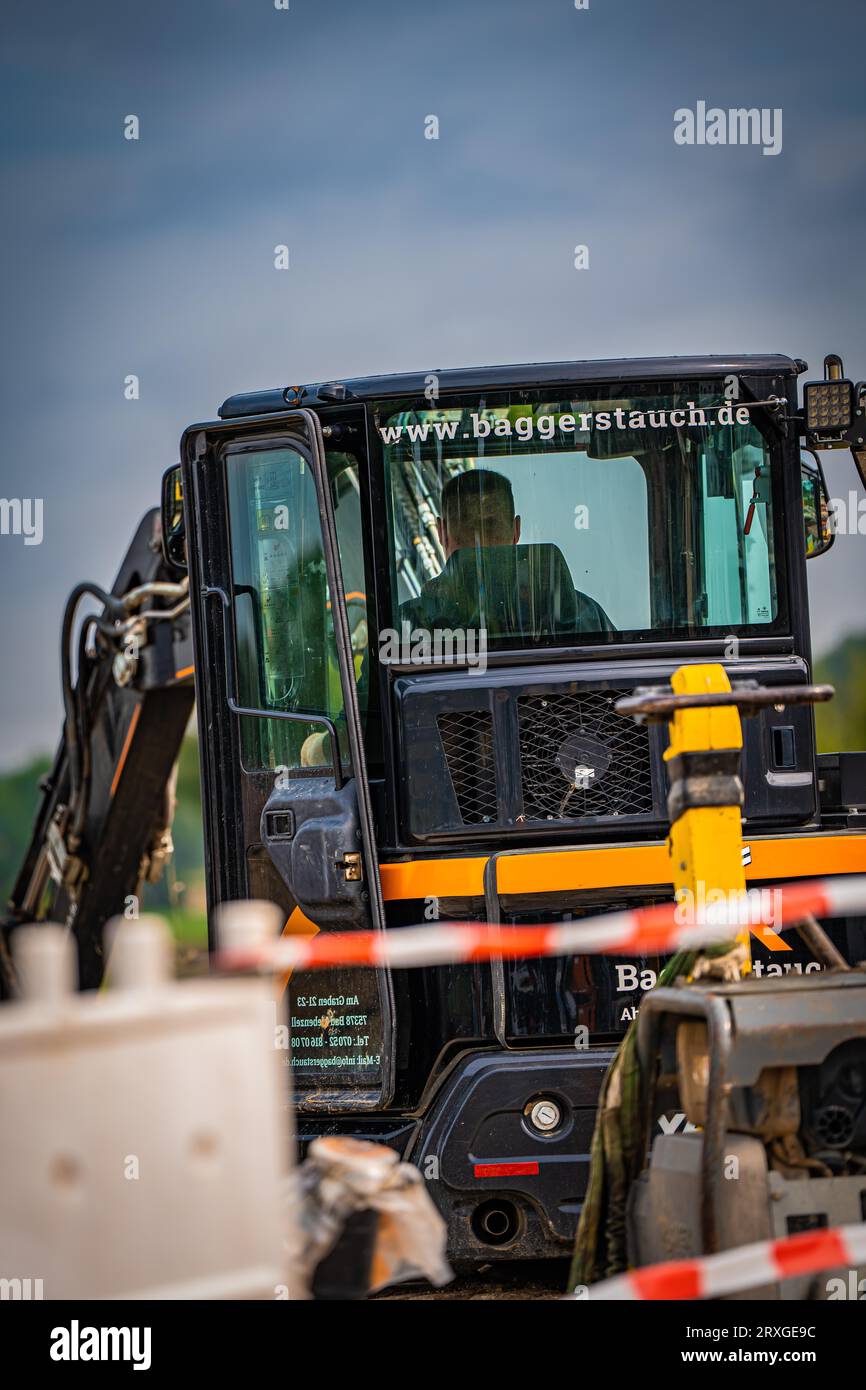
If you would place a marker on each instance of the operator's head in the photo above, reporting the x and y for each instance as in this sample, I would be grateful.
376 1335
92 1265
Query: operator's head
477 509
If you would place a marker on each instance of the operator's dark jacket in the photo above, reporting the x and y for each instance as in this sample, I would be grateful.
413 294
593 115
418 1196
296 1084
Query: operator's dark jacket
506 591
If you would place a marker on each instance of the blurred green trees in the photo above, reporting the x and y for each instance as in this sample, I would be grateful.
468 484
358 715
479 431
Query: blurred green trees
841 724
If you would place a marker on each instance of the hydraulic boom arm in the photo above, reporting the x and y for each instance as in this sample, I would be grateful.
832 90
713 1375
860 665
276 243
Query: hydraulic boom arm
103 826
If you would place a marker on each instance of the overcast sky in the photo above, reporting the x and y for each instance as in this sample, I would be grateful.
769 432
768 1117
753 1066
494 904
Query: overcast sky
306 127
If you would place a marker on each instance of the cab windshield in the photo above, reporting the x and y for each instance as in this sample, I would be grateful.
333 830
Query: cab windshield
544 521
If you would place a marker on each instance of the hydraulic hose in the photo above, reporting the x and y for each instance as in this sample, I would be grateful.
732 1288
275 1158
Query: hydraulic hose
77 741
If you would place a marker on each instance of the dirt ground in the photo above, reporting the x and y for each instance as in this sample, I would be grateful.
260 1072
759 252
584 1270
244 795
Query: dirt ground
502 1279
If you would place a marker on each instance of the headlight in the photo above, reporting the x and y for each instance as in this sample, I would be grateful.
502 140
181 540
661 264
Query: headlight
829 406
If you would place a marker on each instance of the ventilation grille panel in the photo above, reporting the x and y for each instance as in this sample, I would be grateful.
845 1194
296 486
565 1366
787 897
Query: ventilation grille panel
467 738
581 760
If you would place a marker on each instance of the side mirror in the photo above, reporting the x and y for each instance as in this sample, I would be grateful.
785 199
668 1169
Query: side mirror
173 523
817 522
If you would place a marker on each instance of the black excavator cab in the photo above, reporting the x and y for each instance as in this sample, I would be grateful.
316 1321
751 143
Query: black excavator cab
406 715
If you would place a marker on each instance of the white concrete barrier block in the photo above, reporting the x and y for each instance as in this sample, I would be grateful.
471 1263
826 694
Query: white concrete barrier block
145 1133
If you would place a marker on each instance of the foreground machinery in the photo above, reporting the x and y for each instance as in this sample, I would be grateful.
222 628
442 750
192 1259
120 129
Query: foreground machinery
734 1110
406 681
769 1077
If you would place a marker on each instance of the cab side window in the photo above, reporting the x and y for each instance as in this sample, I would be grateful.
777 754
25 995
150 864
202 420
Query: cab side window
286 653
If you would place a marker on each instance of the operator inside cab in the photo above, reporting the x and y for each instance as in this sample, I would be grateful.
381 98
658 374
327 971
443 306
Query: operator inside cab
491 582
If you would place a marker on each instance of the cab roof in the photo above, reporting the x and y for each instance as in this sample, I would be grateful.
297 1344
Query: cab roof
354 389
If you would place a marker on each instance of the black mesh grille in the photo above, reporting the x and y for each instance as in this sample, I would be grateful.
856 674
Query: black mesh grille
580 759
467 738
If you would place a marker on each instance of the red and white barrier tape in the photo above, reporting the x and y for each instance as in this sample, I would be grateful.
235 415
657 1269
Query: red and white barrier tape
656 930
732 1271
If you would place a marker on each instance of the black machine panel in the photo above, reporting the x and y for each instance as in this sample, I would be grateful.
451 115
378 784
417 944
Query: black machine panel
535 751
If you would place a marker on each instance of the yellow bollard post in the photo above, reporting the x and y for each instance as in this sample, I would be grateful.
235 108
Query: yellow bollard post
706 795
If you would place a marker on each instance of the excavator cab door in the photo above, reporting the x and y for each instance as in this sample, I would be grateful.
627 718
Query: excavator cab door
270 531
